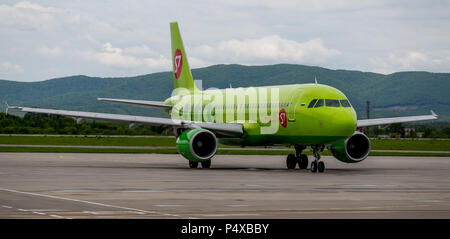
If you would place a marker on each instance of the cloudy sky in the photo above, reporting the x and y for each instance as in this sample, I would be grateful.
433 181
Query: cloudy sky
41 40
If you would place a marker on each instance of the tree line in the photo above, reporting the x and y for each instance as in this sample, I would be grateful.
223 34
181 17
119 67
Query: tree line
33 123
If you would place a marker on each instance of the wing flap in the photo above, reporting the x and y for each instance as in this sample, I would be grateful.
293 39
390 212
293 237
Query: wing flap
229 130
157 104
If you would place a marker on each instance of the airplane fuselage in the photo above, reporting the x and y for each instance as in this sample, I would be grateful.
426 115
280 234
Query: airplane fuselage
328 119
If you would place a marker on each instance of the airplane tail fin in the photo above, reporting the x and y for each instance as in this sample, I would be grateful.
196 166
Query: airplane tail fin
182 77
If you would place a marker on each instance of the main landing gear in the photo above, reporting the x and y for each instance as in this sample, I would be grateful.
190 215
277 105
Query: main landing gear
317 165
205 164
302 160
299 158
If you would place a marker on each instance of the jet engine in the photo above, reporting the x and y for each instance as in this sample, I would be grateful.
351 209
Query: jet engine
197 145
354 149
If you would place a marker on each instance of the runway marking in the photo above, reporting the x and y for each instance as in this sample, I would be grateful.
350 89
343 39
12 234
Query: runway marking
43 210
89 202
233 214
90 212
40 213
236 205
140 213
168 205
429 201
35 211
108 191
367 185
112 212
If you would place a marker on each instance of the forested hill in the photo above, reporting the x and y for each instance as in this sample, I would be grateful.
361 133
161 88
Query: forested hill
402 93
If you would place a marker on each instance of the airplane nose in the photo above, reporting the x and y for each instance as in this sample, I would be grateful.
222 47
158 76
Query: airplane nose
347 123
350 122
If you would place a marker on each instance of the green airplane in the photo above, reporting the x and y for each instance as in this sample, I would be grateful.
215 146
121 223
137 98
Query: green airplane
299 115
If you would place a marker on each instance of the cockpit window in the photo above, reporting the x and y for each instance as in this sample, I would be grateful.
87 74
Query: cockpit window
332 103
319 103
312 103
345 103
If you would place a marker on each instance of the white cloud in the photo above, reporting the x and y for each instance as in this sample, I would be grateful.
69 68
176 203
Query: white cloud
141 50
411 61
32 16
305 5
49 52
7 67
268 49
117 57
370 35
35 7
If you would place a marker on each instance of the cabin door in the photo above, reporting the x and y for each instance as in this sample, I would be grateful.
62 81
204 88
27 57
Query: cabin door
294 103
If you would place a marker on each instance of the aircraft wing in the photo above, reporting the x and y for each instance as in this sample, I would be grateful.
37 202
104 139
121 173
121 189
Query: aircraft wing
158 104
385 121
230 130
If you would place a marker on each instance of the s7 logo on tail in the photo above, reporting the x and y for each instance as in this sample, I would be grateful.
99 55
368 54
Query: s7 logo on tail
177 63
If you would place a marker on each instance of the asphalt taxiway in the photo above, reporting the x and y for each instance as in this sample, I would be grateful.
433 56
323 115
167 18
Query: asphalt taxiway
65 185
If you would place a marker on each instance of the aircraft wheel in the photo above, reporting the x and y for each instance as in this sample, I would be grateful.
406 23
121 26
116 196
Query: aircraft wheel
291 161
314 166
321 167
303 161
206 164
193 164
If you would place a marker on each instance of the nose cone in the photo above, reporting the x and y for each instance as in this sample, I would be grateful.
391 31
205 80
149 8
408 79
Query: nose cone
344 122
349 122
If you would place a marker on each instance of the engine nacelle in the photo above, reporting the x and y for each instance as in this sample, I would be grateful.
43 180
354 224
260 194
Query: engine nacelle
353 150
197 144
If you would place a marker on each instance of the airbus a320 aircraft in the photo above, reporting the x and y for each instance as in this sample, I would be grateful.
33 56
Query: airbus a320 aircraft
297 115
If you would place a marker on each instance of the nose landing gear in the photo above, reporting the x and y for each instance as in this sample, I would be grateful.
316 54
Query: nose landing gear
317 165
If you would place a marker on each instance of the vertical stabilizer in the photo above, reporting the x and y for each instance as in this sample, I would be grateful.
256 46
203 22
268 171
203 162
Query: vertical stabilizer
182 77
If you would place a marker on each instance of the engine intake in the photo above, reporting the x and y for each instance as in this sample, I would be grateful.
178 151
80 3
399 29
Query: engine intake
197 144
353 150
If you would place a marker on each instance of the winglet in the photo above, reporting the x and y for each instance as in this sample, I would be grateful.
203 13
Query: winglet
433 114
7 107
315 79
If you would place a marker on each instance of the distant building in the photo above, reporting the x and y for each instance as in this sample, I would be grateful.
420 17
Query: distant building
411 132
408 131
383 136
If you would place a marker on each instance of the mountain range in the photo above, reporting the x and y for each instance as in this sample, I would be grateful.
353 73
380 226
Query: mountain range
397 94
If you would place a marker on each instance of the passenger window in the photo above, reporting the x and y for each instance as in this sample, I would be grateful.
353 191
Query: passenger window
312 103
345 103
319 103
332 103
